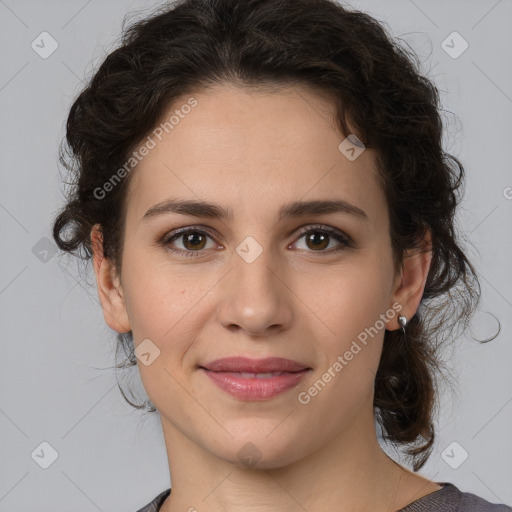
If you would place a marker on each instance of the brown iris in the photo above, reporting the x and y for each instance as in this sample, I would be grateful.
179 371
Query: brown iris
194 240
316 237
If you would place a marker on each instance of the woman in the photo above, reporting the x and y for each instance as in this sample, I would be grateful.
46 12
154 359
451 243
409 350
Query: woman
262 188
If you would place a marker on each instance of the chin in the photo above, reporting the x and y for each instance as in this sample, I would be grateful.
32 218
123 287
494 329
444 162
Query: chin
260 451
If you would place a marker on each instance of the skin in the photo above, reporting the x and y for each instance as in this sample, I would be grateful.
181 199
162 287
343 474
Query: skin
253 152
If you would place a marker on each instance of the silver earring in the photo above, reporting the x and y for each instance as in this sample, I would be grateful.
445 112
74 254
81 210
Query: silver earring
402 320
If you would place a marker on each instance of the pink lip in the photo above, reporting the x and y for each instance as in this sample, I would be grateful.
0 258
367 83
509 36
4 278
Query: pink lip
245 364
227 374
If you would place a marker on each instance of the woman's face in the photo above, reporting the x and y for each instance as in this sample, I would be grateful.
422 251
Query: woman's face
282 275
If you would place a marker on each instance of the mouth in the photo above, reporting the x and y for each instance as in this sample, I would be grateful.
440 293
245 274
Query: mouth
255 366
255 379
249 375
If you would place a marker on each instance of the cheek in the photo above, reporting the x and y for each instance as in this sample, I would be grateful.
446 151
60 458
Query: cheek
168 306
352 303
158 295
349 298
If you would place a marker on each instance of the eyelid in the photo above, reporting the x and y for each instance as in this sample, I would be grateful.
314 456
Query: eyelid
176 233
323 227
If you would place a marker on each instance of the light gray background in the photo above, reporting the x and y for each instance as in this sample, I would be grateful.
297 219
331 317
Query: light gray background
54 335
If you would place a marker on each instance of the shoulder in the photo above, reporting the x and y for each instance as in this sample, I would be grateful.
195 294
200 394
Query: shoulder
471 502
157 502
451 499
448 499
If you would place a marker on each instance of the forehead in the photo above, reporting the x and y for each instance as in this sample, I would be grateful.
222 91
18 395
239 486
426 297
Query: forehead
252 151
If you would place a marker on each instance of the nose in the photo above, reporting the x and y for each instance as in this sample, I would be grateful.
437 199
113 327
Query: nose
255 297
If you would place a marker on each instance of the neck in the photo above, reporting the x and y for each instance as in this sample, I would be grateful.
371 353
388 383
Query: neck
350 472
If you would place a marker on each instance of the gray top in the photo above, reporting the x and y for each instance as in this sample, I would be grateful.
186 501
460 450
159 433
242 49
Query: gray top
447 499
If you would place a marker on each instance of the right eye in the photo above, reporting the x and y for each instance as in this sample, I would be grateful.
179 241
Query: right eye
193 241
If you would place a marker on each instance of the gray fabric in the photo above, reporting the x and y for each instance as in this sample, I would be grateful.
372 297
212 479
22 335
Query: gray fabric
451 499
155 505
447 499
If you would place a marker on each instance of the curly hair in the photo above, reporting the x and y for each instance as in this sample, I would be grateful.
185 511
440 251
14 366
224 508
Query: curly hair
379 95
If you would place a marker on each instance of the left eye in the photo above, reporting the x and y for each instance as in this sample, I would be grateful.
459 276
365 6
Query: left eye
318 239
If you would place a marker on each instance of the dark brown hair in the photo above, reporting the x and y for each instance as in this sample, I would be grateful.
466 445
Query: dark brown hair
380 96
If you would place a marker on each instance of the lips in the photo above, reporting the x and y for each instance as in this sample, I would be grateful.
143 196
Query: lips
255 379
254 366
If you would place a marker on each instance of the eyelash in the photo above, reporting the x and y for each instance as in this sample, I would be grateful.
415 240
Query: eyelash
338 235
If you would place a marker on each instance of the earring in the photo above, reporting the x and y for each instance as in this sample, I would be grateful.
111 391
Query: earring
402 320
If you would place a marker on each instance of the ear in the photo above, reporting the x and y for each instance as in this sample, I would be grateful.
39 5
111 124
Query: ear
410 282
109 288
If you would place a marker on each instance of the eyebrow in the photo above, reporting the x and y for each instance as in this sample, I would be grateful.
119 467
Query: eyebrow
295 209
